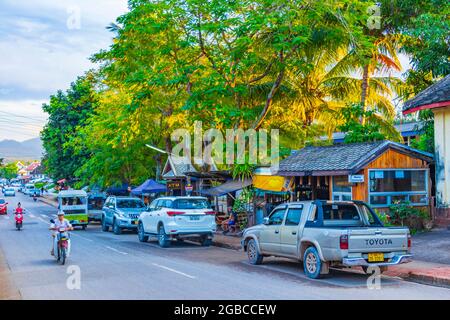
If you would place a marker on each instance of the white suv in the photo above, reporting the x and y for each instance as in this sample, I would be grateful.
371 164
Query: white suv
177 218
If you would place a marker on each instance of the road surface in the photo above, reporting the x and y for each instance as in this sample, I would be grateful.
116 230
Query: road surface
120 267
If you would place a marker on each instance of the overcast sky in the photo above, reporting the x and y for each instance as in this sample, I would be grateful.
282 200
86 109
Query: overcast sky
45 45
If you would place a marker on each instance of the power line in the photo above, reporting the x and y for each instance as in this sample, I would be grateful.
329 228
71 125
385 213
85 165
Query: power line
19 116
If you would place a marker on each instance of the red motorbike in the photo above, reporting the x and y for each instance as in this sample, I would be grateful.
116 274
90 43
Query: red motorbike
18 216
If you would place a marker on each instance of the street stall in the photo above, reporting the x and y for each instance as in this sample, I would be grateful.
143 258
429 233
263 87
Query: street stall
270 191
149 190
224 196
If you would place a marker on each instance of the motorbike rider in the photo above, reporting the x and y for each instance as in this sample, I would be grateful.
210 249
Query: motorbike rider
61 222
19 208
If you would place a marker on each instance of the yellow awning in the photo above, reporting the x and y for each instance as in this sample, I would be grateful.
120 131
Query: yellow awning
272 183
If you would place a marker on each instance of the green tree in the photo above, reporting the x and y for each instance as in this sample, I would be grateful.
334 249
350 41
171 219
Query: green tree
68 111
370 130
8 171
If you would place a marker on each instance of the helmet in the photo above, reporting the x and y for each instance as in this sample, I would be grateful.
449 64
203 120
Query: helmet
60 213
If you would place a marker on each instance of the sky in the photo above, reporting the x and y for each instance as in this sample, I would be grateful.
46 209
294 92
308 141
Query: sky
44 46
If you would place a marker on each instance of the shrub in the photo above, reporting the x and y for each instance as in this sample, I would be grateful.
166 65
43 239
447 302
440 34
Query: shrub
403 213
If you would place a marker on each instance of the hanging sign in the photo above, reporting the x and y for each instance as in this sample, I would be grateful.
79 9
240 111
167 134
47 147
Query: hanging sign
356 178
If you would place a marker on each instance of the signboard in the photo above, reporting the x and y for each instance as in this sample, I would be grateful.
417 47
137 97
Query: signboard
189 188
356 178
174 185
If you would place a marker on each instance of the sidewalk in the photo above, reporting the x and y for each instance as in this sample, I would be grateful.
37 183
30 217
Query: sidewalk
50 200
8 290
423 272
229 242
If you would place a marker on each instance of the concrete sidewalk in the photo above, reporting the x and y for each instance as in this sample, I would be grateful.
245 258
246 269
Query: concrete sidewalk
8 290
50 200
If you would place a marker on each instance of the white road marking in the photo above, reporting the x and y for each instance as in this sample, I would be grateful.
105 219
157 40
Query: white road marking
115 250
175 271
87 239
32 215
44 216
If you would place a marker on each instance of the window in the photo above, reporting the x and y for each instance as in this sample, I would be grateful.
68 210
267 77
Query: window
342 190
387 187
293 216
166 204
95 203
276 218
342 215
191 204
130 203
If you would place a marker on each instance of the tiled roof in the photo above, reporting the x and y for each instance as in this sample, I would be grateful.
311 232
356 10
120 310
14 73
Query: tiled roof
436 93
342 159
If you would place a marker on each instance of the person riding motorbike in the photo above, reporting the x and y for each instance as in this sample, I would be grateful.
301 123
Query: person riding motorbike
63 223
18 216
19 208
35 197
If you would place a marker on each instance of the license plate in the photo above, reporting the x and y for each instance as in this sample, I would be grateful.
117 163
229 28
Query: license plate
135 222
376 257
194 218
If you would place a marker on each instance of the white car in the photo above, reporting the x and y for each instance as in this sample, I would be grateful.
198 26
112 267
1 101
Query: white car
171 218
9 192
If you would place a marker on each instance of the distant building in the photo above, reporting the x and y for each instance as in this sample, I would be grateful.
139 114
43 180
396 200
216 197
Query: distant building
409 131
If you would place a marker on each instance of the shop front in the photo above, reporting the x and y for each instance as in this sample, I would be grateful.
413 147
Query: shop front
380 173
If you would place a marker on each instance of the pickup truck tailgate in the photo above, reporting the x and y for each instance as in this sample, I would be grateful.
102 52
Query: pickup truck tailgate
377 239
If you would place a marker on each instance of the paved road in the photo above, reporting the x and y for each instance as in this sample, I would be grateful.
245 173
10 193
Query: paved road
120 267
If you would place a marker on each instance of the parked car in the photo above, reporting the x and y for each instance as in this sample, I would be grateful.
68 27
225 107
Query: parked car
324 234
121 213
3 206
32 192
178 218
27 188
9 192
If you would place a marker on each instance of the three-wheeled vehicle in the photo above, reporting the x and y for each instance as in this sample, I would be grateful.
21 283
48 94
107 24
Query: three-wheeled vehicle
96 200
75 206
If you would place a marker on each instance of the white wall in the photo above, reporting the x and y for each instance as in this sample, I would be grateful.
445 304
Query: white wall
442 154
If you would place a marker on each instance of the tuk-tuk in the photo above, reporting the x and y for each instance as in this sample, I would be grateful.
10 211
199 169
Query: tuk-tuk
75 206
96 201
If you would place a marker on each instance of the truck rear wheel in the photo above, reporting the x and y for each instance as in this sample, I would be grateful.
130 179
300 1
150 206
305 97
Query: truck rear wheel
312 264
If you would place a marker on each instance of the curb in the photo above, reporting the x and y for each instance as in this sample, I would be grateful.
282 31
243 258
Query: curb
226 245
49 202
427 279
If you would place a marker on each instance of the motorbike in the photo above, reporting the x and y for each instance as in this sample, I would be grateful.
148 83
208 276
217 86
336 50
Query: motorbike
62 249
34 198
18 216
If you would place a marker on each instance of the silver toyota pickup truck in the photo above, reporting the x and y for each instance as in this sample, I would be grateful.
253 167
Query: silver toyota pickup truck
326 234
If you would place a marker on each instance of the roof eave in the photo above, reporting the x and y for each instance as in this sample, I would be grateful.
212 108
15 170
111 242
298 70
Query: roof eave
427 106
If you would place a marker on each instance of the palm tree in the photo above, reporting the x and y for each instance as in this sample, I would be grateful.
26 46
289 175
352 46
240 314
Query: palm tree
315 95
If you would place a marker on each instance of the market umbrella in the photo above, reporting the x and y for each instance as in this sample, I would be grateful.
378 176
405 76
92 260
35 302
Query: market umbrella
149 186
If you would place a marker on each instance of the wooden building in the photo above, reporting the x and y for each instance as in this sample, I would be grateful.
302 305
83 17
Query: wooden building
380 173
